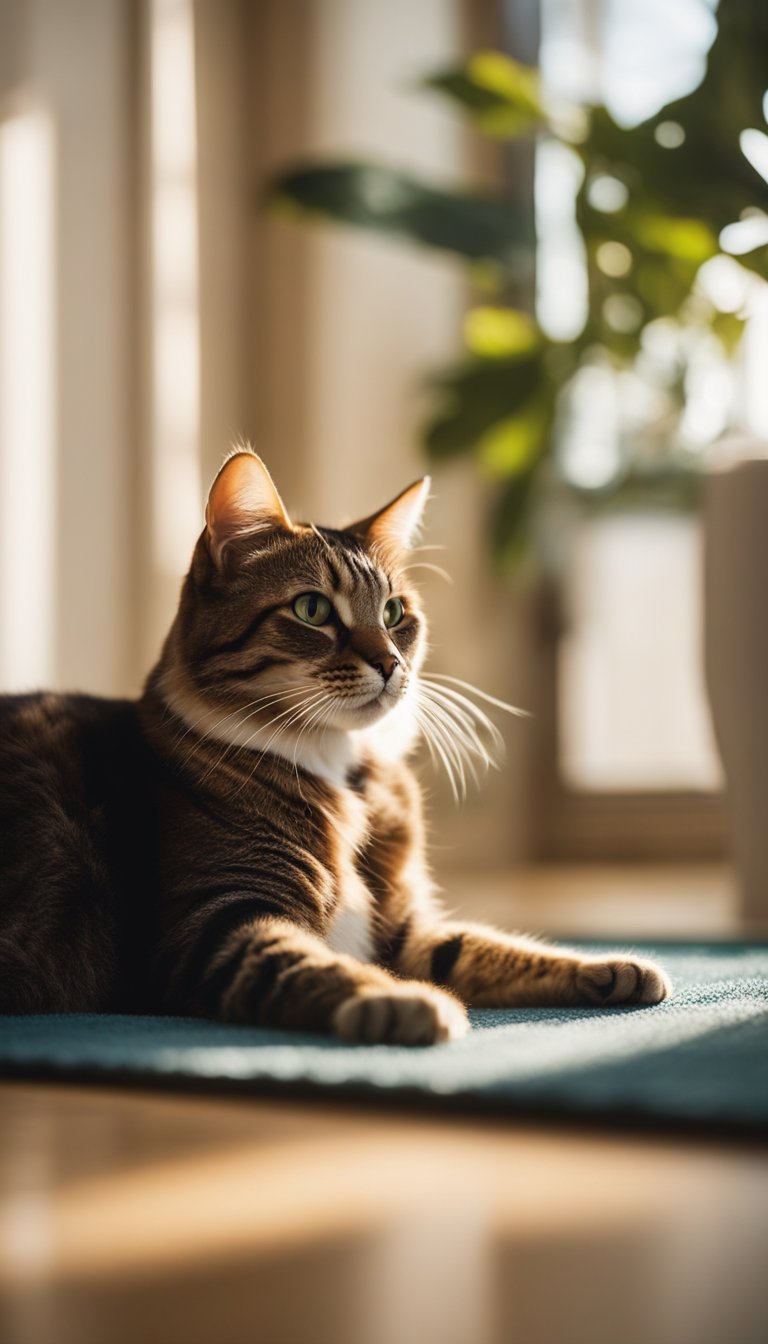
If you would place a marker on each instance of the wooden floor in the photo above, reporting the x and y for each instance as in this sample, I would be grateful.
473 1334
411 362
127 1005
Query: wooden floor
171 1219
606 900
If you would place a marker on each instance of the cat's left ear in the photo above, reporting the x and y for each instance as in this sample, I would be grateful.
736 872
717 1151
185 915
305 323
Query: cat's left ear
243 503
393 529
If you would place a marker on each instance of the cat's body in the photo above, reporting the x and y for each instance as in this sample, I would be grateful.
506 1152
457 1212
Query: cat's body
76 854
246 841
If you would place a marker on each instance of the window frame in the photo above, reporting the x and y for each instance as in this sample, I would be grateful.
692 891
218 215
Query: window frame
606 825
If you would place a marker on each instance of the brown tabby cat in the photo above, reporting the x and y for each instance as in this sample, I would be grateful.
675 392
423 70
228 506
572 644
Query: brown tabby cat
246 841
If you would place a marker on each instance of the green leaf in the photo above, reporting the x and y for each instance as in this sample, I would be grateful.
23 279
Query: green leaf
500 333
702 173
379 199
475 397
501 96
510 520
512 446
729 330
756 260
686 239
663 255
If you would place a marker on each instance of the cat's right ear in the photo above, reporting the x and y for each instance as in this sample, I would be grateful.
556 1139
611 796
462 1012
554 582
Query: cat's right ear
243 503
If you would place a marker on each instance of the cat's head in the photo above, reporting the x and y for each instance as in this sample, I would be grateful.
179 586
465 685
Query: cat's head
293 626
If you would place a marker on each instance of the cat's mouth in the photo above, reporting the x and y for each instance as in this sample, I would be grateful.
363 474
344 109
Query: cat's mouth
361 710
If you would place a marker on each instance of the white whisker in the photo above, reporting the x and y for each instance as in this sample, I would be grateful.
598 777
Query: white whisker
459 750
241 746
253 706
430 732
457 730
294 715
466 732
491 699
436 569
472 718
313 717
463 737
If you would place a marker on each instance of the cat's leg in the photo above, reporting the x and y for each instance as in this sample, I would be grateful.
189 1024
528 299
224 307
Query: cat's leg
273 973
483 967
488 969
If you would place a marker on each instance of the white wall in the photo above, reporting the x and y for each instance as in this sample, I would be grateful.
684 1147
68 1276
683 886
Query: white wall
71 61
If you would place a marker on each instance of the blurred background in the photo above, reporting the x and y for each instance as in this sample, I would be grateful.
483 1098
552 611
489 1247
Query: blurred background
520 245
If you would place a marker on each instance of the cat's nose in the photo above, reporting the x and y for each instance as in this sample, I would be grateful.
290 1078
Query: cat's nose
385 663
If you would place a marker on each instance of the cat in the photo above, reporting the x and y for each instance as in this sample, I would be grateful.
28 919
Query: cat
245 842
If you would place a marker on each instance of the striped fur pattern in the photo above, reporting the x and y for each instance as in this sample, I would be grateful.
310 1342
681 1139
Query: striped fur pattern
246 842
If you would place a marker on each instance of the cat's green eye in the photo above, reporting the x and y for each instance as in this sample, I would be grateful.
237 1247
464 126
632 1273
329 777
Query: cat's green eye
394 612
312 608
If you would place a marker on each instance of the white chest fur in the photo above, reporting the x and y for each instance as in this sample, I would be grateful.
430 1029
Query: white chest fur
351 930
329 757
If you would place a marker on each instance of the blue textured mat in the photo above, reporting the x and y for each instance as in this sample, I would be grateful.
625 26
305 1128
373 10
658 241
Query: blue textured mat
699 1059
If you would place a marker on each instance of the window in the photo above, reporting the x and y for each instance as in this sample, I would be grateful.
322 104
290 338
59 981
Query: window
632 712
631 768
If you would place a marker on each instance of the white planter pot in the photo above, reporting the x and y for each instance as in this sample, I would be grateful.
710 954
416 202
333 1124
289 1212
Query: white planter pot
736 660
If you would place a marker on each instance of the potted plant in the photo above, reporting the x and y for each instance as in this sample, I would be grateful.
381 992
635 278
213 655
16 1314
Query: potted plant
673 216
658 203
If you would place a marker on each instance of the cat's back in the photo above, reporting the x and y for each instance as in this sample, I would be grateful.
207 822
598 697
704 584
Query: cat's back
45 717
56 749
74 834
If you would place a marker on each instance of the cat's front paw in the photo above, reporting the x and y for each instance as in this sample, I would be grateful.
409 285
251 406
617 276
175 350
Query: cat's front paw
411 1014
622 980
